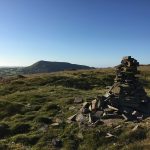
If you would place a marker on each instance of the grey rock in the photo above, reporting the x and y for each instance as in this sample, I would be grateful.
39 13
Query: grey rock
78 100
98 114
90 118
113 108
98 122
125 117
140 117
109 135
117 127
107 94
90 107
73 117
84 110
80 118
110 116
135 113
71 108
55 124
86 105
135 128
94 102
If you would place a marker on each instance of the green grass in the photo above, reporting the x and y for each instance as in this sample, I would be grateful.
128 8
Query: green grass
28 107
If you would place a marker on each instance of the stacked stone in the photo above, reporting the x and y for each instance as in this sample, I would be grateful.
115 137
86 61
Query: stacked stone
127 93
125 99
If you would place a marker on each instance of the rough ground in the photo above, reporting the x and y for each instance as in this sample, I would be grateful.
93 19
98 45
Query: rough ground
34 110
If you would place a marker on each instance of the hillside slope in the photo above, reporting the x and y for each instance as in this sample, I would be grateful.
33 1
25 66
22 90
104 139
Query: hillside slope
34 111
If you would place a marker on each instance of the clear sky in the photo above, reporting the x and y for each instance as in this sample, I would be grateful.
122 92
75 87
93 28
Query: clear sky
90 32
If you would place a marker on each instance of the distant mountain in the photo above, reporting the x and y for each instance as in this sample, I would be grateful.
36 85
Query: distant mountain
48 66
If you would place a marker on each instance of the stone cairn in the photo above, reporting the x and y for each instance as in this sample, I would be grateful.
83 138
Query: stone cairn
126 99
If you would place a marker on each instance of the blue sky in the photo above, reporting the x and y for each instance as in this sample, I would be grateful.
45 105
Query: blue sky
91 32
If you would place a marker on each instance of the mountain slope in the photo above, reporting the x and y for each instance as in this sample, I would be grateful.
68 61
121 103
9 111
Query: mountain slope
47 66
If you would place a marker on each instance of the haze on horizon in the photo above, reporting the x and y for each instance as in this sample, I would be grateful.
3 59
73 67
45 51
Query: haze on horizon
97 33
